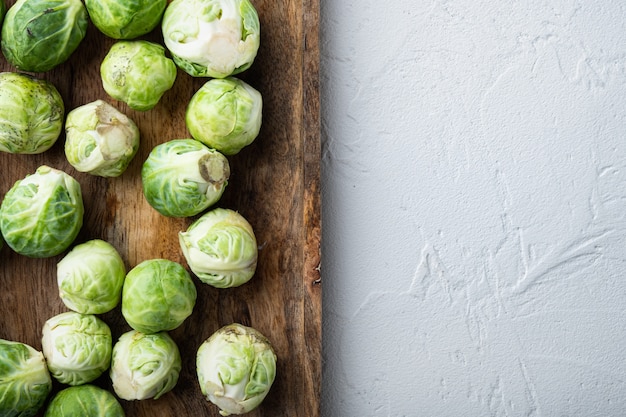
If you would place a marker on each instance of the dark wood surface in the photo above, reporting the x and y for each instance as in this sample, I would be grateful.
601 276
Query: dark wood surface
274 183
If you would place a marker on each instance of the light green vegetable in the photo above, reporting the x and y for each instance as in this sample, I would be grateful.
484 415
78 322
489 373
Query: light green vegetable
220 248
236 367
90 277
77 347
42 213
144 365
183 177
84 401
225 114
31 114
125 19
100 140
212 38
158 295
24 379
38 35
137 73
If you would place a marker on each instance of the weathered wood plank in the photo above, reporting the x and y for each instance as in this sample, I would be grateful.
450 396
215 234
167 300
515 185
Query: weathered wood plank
274 184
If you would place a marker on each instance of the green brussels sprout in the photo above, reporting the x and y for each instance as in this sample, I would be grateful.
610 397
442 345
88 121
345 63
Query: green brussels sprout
236 367
144 365
125 19
220 248
84 401
90 277
77 347
212 38
182 177
42 213
38 35
158 295
31 114
100 140
24 379
225 114
137 73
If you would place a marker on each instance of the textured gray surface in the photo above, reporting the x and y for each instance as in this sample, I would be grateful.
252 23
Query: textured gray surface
474 196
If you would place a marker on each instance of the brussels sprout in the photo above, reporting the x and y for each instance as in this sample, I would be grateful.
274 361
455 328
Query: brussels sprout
38 35
182 177
144 365
84 401
125 19
158 295
42 213
225 114
137 73
90 277
100 140
31 114
212 38
236 367
220 248
24 379
77 347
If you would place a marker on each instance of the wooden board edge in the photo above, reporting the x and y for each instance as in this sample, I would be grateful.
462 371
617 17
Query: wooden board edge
311 131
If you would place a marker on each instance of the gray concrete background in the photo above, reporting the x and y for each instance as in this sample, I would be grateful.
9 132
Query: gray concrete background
474 195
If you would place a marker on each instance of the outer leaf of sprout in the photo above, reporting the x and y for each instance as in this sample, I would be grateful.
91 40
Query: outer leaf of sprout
125 19
158 295
183 177
100 140
236 367
220 248
42 214
225 114
144 365
77 347
138 73
84 400
38 35
24 379
212 38
31 114
90 277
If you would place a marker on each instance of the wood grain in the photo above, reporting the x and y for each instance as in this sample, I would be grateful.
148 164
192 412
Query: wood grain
274 183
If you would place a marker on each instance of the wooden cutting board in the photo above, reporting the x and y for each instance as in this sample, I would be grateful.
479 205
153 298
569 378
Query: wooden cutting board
274 183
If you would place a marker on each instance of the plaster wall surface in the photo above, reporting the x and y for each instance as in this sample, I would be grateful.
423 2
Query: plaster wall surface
474 208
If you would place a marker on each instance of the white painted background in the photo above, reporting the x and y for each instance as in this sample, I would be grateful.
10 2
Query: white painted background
474 208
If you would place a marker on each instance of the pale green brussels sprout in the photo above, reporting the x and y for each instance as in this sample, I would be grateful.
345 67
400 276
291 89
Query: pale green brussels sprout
183 177
125 19
24 379
158 295
84 401
236 367
137 73
77 347
31 114
144 365
220 248
90 277
42 213
100 140
38 35
225 114
212 38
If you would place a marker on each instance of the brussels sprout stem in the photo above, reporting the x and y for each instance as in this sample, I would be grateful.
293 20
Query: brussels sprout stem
214 170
